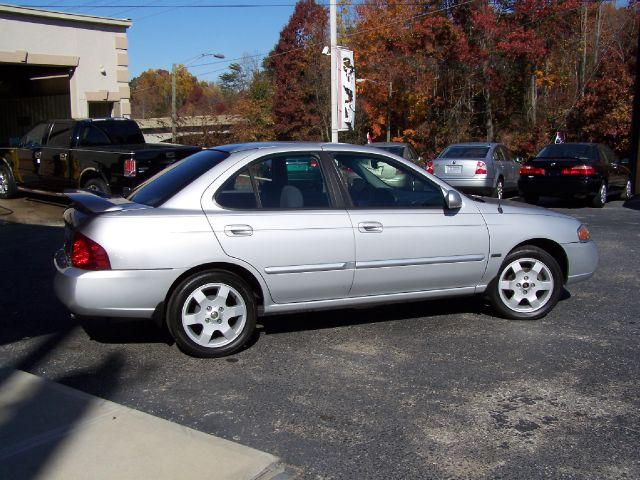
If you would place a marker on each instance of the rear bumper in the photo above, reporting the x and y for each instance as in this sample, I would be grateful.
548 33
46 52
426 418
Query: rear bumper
559 186
583 260
111 293
479 185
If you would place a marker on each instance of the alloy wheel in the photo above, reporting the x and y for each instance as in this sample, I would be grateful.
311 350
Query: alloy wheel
628 189
526 285
214 315
4 181
603 193
499 190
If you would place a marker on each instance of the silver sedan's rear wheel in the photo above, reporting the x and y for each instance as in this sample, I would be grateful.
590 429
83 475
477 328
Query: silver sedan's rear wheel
214 315
528 285
211 314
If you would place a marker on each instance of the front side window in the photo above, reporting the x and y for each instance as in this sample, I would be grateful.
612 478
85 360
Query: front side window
34 137
60 135
375 182
289 181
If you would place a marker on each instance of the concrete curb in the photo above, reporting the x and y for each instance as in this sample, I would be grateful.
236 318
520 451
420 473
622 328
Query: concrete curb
51 431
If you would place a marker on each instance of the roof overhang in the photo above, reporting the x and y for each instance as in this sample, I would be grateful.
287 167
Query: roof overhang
71 17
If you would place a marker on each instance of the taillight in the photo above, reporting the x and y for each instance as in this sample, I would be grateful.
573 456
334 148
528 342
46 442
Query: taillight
430 167
130 168
531 170
88 255
314 163
579 170
481 168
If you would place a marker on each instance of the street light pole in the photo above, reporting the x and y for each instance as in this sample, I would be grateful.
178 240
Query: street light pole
174 71
333 26
174 74
389 111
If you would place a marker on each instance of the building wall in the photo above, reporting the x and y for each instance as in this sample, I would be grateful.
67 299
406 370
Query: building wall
96 53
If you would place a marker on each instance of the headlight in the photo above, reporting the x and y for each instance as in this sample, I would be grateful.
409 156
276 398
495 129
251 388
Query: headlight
583 234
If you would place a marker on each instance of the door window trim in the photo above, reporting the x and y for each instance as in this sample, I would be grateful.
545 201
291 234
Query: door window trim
348 202
334 201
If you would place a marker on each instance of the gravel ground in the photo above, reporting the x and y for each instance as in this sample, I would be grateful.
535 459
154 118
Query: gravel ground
431 389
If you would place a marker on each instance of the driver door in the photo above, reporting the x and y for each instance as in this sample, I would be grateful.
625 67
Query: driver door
30 156
405 238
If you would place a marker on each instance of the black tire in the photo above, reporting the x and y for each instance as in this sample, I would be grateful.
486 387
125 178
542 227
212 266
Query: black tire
498 190
97 185
180 297
530 198
600 199
8 187
535 253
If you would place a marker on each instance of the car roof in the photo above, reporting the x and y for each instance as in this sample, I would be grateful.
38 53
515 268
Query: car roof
244 147
474 144
389 144
588 144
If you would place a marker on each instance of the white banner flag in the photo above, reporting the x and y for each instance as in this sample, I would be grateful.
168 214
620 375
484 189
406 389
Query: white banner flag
346 90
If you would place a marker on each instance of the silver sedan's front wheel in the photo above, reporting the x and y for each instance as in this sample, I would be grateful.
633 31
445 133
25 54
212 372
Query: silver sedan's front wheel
212 314
528 285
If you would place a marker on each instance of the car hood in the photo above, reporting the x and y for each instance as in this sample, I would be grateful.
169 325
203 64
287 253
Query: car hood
493 205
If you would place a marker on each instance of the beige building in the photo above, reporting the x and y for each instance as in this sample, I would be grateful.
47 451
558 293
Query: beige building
60 65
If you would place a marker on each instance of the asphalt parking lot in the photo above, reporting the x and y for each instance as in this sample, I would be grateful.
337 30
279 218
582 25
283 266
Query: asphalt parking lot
432 389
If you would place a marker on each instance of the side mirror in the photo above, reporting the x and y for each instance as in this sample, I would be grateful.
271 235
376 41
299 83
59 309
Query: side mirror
624 161
453 200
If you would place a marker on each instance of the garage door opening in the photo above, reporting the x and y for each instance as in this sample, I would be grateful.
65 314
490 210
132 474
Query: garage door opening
30 94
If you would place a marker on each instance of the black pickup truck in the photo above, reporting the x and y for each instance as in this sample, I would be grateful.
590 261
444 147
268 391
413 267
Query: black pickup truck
107 155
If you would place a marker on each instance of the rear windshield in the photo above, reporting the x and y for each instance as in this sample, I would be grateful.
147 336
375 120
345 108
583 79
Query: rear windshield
399 151
160 188
120 132
569 150
465 152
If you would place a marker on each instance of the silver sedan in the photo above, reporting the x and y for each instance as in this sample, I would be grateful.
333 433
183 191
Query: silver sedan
238 231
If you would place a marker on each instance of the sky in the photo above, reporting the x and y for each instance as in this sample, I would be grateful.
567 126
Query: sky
162 36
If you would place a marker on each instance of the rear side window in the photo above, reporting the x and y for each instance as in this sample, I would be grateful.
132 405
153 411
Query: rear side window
121 132
166 184
60 135
92 136
465 152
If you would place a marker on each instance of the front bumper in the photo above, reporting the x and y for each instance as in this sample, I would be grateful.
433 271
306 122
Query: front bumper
111 293
559 186
583 260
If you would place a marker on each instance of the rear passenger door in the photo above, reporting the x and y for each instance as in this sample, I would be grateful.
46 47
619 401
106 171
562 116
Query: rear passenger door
511 169
55 170
279 213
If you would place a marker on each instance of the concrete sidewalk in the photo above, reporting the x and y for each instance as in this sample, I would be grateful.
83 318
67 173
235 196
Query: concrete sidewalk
51 431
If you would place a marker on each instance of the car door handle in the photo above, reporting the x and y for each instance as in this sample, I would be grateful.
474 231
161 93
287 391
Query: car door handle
370 227
238 230
38 155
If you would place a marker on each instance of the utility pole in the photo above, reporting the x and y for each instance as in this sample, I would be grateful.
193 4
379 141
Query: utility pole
635 125
583 44
174 71
333 26
389 110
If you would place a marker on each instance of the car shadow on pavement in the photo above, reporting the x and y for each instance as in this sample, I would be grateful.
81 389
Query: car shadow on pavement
633 203
297 322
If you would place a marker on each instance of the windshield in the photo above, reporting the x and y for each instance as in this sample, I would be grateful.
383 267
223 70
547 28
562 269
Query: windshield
467 151
161 187
121 132
394 150
569 150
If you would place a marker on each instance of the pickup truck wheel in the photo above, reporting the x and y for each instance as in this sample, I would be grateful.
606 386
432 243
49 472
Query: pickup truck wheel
96 185
211 314
528 285
8 188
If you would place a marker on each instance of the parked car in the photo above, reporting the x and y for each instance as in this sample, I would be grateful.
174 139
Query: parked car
588 171
230 233
477 168
106 155
401 149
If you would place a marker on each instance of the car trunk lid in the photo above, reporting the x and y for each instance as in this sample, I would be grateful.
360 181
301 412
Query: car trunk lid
553 166
455 167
